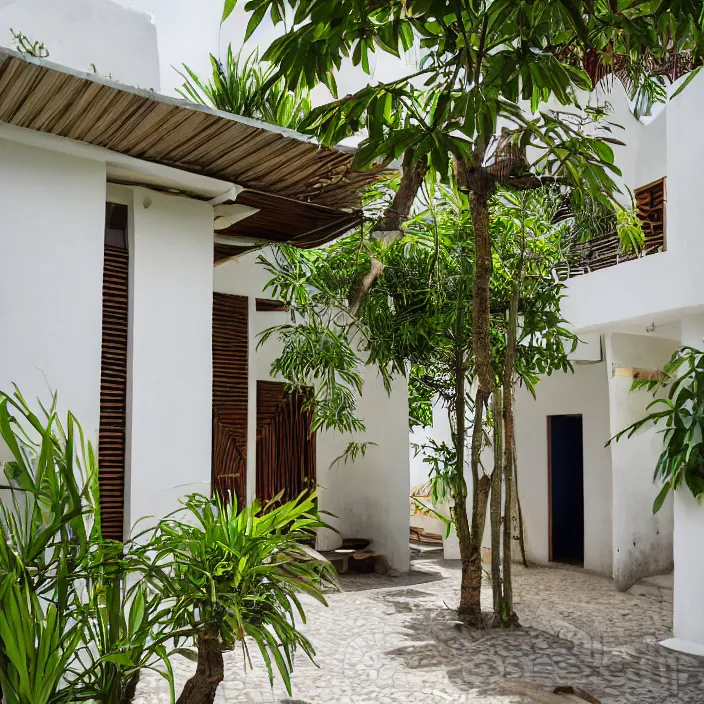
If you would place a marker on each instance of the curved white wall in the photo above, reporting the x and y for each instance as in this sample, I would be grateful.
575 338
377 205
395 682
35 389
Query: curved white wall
121 43
170 356
52 220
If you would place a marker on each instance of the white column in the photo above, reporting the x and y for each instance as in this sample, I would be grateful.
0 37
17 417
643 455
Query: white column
689 557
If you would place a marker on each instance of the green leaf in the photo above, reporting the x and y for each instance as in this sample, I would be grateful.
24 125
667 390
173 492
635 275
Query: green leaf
228 9
660 499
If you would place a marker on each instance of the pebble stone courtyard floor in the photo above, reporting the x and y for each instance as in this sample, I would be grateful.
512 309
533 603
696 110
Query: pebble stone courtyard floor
385 639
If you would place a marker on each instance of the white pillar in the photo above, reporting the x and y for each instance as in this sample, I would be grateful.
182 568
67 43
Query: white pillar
689 557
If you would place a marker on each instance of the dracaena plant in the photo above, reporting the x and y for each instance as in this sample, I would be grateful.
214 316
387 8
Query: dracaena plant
679 414
237 577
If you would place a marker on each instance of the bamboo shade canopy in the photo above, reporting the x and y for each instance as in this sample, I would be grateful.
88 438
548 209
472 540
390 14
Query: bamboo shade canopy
317 189
42 96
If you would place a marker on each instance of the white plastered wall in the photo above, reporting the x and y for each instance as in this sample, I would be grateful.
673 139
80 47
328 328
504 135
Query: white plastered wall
170 351
52 219
662 287
642 542
368 497
88 35
688 624
585 393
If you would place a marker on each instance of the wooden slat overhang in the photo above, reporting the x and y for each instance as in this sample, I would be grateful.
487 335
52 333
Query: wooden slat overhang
310 194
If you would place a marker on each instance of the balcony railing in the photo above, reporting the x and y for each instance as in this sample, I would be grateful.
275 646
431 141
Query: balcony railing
603 251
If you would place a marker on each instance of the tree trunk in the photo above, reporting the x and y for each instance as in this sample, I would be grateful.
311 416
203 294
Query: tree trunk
130 690
507 615
388 227
519 508
480 293
470 538
201 688
495 507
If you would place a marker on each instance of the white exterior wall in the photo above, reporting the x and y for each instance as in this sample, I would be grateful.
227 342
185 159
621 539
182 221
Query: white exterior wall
121 43
642 542
170 355
586 393
439 431
689 556
52 220
369 497
664 287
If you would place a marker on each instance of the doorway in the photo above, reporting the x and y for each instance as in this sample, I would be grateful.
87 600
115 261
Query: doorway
566 489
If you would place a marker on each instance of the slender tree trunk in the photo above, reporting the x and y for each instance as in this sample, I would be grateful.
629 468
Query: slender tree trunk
470 537
507 615
495 508
388 227
201 688
129 692
480 293
519 508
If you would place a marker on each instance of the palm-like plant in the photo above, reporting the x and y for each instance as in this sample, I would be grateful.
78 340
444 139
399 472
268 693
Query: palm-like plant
244 86
238 575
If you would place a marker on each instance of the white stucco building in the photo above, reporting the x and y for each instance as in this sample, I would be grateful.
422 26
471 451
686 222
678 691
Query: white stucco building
633 315
583 502
112 254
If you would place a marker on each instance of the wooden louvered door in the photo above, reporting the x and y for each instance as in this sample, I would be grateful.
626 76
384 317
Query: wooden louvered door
285 445
230 384
113 374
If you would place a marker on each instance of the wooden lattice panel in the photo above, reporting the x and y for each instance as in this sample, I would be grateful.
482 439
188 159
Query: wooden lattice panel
604 251
285 445
113 376
230 386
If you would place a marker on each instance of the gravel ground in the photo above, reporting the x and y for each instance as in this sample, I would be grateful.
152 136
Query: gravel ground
385 640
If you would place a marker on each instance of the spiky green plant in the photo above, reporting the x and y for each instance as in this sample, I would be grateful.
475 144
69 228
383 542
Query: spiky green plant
244 86
80 616
238 576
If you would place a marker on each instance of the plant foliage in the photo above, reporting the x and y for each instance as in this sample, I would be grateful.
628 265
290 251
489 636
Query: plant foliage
681 411
244 86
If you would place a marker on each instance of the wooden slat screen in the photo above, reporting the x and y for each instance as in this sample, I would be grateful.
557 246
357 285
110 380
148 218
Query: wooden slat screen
285 445
230 384
604 251
113 374
269 305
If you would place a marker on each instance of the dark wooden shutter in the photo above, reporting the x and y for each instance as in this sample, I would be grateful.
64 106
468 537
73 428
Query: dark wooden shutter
113 374
230 384
285 445
269 305
650 203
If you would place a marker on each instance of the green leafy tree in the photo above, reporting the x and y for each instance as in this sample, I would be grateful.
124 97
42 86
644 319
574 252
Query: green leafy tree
418 317
485 64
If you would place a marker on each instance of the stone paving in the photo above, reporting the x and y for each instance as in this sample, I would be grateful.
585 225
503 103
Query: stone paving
396 640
